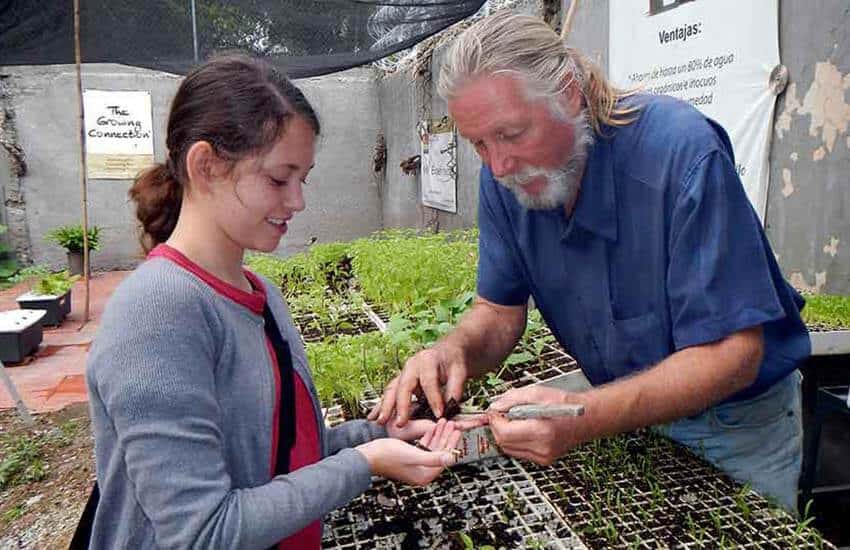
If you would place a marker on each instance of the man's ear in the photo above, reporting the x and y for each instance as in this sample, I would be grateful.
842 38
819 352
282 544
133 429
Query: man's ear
572 97
202 166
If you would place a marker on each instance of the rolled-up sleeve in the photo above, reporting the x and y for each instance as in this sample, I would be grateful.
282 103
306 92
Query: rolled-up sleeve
719 279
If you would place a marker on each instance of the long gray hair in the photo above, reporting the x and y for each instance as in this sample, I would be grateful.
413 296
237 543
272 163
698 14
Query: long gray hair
524 45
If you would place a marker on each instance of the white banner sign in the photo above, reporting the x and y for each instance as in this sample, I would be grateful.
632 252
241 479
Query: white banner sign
438 161
717 55
119 133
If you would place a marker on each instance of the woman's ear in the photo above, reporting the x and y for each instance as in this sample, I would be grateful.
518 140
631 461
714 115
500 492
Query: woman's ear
202 166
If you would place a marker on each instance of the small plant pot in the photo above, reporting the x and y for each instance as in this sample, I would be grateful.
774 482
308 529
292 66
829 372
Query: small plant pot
75 263
20 333
56 307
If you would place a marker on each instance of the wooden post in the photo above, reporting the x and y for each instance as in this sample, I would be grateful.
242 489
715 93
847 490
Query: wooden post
81 124
568 19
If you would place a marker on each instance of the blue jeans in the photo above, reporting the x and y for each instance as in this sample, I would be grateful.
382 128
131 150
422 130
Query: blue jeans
757 441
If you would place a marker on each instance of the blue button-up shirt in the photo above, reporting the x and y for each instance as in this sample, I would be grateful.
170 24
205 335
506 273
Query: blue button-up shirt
663 251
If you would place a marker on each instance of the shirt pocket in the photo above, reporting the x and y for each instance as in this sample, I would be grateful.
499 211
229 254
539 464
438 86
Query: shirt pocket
634 344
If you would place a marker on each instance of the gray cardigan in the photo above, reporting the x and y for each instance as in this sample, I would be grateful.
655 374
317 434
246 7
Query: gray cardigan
182 402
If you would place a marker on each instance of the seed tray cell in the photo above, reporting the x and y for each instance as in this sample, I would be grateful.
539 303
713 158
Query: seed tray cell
493 502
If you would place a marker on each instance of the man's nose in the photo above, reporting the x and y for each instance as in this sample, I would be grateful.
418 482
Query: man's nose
502 163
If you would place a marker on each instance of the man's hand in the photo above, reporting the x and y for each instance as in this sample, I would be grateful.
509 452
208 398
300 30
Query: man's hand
541 440
395 459
428 371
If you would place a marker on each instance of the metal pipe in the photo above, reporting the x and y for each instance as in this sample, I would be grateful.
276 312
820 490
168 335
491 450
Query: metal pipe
194 31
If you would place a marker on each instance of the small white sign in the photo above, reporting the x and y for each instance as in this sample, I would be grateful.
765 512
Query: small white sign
118 133
438 163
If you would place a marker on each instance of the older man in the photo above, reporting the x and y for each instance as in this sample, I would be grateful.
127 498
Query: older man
623 217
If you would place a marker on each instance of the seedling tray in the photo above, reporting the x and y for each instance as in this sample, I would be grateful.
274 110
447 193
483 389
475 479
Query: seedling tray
493 502
643 491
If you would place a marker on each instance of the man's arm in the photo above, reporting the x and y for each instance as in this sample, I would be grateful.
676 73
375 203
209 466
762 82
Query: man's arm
484 336
686 383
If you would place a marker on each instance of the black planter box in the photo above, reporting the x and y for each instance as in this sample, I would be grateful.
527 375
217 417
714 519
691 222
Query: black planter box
20 333
57 307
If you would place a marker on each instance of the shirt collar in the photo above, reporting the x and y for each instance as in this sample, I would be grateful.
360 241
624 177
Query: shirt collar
596 208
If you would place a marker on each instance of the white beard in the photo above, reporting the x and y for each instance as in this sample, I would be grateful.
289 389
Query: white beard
562 184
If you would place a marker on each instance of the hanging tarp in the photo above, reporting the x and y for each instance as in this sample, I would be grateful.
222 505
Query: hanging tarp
306 38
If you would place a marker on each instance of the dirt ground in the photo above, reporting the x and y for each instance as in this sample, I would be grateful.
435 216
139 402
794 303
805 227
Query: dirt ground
46 473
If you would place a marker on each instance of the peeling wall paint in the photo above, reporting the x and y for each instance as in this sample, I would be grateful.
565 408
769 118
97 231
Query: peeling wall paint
787 187
824 103
808 213
799 282
832 247
792 106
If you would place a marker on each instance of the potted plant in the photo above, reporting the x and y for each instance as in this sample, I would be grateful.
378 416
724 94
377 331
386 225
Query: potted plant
70 237
52 293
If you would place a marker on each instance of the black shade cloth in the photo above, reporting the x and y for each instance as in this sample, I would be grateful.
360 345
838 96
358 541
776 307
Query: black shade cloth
305 38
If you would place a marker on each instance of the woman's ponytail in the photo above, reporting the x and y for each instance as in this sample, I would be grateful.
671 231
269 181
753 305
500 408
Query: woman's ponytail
158 196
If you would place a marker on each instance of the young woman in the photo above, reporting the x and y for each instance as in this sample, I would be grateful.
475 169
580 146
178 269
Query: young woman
207 425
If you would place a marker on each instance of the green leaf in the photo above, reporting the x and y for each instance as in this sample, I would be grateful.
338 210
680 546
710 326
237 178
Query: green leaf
519 357
493 380
442 313
70 237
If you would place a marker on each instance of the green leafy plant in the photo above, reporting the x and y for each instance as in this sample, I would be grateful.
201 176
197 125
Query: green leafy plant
70 237
806 520
13 513
827 311
55 284
405 272
346 367
23 463
741 500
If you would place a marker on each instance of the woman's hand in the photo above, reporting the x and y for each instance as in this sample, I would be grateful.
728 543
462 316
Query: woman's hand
394 459
411 430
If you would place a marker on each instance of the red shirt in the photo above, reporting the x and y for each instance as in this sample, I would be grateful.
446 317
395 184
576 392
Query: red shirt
306 450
